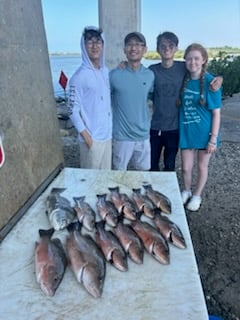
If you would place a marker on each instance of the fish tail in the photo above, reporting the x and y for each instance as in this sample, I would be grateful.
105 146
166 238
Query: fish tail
57 190
121 217
100 224
136 190
46 233
147 186
77 200
139 214
114 189
102 196
74 226
157 211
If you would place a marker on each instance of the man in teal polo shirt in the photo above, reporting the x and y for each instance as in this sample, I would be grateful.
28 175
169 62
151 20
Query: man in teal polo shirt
130 88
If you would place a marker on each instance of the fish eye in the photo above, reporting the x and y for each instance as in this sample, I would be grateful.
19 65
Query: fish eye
55 279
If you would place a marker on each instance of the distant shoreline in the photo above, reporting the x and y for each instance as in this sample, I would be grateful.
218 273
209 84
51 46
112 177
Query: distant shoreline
153 55
64 54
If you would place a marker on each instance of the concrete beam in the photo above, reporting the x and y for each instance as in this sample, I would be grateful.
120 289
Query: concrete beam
117 18
28 116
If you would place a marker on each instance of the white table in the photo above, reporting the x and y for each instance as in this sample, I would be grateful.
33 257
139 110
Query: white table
145 292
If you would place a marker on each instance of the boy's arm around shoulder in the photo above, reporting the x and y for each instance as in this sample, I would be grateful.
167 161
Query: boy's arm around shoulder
216 83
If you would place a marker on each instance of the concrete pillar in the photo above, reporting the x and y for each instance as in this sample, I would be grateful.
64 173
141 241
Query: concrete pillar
28 116
117 18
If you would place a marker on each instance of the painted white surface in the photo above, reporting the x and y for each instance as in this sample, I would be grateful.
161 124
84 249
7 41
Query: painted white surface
145 292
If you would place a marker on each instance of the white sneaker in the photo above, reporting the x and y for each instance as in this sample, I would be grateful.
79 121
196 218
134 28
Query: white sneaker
194 204
186 195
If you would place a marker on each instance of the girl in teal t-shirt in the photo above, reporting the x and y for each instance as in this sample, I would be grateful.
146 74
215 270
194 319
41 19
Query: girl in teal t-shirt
199 122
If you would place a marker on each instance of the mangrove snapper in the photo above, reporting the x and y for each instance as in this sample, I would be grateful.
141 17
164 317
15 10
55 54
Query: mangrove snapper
169 230
106 210
85 213
143 203
153 241
50 262
159 199
111 247
86 259
123 203
130 242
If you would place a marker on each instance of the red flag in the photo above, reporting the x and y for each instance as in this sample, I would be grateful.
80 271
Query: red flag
63 80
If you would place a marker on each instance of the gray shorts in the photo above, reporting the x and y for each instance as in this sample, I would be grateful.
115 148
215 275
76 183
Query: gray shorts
134 155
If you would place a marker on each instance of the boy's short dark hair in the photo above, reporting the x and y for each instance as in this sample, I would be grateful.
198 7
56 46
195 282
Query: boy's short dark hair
167 35
90 32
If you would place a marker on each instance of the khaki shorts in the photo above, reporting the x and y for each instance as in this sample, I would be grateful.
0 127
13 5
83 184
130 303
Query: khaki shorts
99 156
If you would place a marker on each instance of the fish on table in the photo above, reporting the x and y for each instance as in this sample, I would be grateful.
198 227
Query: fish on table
160 200
154 243
106 210
169 230
86 260
85 213
111 247
59 210
123 203
130 241
143 203
50 262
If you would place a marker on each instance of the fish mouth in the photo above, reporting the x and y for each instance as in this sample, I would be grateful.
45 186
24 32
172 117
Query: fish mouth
48 290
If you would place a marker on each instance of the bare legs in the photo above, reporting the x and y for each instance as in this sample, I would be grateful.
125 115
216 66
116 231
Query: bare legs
203 158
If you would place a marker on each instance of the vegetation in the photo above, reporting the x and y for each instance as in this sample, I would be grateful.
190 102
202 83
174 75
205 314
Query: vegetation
229 68
222 61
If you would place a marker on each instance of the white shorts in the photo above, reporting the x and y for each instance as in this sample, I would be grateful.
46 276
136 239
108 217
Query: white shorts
134 155
99 156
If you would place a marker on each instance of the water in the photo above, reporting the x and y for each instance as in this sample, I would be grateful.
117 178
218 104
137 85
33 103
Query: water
69 64
66 63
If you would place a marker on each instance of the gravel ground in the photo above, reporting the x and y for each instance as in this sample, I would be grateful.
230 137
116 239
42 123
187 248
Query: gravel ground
214 228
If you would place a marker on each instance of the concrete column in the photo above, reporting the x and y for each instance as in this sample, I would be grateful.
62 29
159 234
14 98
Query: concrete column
117 18
28 116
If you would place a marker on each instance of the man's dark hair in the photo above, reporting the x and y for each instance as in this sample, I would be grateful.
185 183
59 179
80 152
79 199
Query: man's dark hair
167 35
89 33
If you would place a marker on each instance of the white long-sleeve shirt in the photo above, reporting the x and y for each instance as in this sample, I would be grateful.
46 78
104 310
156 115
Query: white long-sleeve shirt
89 102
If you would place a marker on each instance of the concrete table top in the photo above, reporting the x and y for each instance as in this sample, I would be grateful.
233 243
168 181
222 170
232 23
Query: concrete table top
145 292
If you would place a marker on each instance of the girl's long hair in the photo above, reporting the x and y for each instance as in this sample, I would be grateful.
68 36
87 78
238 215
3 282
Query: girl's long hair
203 51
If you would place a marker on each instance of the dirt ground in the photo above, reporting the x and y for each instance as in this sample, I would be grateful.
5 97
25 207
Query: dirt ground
215 228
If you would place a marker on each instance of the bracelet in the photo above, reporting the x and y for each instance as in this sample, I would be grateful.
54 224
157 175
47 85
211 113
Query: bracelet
212 144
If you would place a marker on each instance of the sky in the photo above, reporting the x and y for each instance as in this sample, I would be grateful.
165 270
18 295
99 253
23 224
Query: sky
212 23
